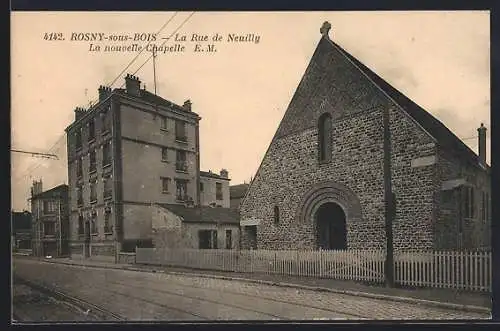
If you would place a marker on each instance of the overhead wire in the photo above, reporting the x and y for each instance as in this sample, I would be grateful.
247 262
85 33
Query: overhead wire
63 136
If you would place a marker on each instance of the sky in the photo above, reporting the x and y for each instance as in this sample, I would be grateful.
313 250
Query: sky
440 60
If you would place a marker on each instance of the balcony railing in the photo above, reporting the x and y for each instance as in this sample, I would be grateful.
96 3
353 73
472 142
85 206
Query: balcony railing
181 166
108 193
183 197
181 138
93 167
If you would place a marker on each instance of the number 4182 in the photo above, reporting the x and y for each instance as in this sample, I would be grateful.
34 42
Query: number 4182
53 36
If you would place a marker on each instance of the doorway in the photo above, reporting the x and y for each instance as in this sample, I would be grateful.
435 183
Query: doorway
331 227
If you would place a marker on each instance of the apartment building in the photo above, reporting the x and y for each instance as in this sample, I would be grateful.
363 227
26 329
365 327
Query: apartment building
127 153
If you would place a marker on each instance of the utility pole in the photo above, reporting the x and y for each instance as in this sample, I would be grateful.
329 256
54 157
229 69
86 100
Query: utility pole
154 68
389 198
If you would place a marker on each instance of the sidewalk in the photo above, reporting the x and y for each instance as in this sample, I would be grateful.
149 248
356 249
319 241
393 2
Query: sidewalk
436 297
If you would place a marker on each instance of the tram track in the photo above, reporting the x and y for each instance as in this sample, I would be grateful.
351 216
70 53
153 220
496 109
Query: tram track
274 316
84 306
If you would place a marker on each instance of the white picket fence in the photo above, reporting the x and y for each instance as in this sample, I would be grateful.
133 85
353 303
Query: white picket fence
444 269
460 270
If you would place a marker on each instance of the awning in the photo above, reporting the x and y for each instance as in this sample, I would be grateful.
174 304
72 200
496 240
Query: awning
250 221
453 183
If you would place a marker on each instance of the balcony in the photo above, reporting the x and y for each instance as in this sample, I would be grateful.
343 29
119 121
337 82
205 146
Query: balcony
181 166
181 138
79 202
93 168
183 198
108 194
108 229
106 163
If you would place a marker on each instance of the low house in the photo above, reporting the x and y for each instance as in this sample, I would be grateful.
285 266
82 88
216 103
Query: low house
197 227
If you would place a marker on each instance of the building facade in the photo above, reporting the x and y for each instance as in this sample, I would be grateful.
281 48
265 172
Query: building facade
21 230
214 189
50 221
130 151
354 161
201 227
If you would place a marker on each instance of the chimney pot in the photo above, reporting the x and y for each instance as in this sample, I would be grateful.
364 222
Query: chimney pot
133 85
482 143
224 173
187 105
104 92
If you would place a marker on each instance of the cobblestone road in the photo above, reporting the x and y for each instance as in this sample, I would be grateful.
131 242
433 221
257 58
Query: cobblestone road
157 296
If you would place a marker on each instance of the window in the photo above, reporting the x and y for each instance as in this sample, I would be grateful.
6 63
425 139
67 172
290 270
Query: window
325 137
93 164
78 139
485 206
218 191
79 193
91 130
165 183
93 191
108 187
81 227
164 154
106 154
201 187
229 239
93 222
180 131
49 228
181 189
180 163
107 218
207 239
276 214
106 121
49 207
468 201
79 168
163 123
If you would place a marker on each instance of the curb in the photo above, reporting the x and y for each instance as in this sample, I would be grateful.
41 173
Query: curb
423 302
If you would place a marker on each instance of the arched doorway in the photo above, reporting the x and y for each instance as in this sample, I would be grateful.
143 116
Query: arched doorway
331 227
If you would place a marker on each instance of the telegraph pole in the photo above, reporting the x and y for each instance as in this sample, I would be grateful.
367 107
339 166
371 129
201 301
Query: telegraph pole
154 68
389 198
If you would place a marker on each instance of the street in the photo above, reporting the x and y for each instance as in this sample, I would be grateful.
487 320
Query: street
143 296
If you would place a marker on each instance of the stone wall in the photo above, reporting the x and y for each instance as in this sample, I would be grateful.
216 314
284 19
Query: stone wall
291 172
456 174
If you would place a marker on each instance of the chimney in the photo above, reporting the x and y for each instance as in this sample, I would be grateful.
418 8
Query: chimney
133 85
482 142
79 112
37 187
224 173
187 105
104 92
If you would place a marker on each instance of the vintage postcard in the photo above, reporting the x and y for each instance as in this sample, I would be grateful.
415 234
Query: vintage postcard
219 166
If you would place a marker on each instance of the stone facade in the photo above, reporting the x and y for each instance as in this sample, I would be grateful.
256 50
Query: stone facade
293 182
